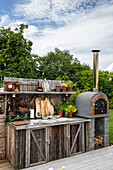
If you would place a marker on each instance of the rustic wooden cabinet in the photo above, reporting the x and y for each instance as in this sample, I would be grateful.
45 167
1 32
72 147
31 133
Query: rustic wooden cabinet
28 145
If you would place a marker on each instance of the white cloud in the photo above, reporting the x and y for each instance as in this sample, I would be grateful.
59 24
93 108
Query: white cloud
93 32
4 20
59 11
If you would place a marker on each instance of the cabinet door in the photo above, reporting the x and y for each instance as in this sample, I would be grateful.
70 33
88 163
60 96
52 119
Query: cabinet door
57 142
38 145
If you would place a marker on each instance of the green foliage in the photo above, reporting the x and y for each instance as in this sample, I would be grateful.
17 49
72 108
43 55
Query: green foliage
70 83
85 82
111 126
60 106
59 65
64 85
73 97
111 103
15 54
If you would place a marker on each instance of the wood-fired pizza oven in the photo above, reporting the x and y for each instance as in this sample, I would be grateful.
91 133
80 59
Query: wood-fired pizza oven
92 104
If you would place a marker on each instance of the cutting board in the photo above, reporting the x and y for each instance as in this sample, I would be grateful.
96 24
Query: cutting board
19 123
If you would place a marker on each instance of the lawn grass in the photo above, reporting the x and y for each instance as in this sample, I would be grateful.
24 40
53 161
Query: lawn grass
111 126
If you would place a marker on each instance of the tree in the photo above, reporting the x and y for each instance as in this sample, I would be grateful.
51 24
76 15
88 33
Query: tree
58 64
15 54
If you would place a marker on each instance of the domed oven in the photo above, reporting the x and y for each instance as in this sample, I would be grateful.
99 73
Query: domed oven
92 104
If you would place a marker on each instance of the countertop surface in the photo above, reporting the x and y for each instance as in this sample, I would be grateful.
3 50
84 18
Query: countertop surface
41 123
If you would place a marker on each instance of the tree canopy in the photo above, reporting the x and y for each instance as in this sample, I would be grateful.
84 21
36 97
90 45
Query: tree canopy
15 53
58 63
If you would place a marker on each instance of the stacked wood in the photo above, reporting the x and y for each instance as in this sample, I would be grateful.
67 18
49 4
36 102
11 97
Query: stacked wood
2 137
43 107
98 142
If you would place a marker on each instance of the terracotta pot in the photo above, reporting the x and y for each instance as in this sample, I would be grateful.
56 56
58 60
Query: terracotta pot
60 112
63 89
22 109
70 89
70 114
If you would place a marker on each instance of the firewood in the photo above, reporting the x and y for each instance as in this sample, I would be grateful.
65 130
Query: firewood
98 142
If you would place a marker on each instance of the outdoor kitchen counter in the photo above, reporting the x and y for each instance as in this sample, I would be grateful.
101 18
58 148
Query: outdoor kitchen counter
46 140
38 123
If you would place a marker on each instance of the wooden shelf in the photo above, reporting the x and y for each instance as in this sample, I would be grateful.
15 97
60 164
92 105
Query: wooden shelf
34 92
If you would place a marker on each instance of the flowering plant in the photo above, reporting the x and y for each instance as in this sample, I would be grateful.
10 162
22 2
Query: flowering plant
71 108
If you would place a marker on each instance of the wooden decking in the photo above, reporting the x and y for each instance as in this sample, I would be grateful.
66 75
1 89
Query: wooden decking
5 165
101 159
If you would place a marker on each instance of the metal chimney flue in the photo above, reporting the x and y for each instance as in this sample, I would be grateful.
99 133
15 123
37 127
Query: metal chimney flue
95 69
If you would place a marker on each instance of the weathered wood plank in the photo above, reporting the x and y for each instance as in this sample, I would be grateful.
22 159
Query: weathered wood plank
87 137
27 159
50 146
60 143
83 138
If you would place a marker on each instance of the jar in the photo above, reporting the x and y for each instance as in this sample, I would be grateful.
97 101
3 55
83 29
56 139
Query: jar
17 87
9 86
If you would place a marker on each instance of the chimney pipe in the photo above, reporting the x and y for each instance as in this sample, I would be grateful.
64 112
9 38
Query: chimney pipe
95 69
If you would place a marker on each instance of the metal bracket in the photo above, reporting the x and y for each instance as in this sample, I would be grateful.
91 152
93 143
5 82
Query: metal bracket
68 138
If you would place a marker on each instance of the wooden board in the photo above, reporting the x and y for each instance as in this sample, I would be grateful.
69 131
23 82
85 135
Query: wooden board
19 123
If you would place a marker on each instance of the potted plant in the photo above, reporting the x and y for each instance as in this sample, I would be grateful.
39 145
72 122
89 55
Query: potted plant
71 109
70 85
60 108
64 87
22 106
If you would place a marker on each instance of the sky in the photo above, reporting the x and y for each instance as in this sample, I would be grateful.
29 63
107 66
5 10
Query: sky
75 25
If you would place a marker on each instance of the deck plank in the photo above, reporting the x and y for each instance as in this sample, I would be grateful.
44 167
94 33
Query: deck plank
100 159
5 165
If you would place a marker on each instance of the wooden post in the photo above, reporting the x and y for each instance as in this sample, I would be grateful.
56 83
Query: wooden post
87 137
83 140
27 161
47 142
68 139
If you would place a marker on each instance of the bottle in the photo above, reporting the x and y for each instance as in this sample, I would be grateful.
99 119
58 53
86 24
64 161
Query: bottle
9 86
17 87
9 110
32 114
1 111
